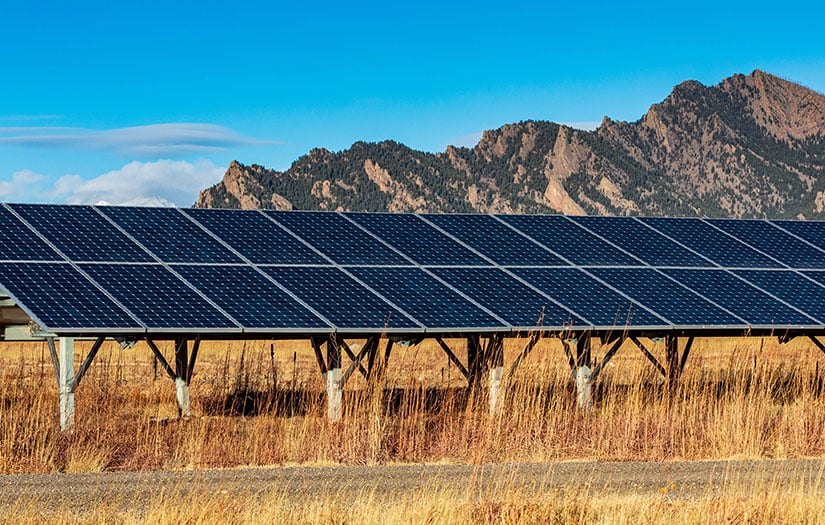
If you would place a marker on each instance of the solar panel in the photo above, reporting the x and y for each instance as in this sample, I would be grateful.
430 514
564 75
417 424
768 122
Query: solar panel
711 243
767 238
249 297
20 243
739 297
340 299
508 298
170 235
811 231
425 298
601 305
361 273
255 237
60 297
641 241
675 303
157 297
570 240
417 240
338 238
81 233
495 240
791 287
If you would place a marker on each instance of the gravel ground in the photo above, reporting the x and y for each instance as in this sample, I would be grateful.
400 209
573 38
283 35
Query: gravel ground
686 479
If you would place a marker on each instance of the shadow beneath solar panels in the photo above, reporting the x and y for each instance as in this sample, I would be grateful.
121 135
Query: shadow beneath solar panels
280 402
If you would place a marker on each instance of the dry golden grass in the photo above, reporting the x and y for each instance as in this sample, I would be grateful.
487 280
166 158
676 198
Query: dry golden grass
733 502
738 398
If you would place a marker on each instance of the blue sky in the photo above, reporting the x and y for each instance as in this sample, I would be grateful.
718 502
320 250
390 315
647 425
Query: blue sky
149 102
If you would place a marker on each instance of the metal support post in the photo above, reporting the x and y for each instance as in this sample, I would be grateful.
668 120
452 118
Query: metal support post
475 361
495 371
334 388
66 383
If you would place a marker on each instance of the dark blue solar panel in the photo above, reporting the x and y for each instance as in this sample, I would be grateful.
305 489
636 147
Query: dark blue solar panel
338 238
425 298
156 296
670 300
170 235
417 240
712 243
508 298
19 243
570 240
61 297
742 299
769 239
495 240
639 240
811 231
81 233
791 288
249 297
339 298
256 237
588 297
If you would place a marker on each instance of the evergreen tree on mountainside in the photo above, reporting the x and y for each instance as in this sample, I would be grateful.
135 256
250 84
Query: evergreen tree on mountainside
751 146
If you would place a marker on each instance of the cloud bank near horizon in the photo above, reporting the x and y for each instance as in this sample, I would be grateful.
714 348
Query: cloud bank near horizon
156 183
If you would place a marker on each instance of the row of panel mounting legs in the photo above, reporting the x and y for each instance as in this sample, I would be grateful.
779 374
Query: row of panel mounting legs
483 367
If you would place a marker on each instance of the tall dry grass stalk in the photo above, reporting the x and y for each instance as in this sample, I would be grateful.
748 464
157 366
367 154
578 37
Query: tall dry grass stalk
737 399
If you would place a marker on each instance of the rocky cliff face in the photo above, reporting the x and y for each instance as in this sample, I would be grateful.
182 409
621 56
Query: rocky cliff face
751 146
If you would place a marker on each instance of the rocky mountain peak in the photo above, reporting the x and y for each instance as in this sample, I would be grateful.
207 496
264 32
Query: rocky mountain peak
750 146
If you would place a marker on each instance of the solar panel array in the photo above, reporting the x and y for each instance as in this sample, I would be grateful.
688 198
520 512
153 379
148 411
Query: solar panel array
121 270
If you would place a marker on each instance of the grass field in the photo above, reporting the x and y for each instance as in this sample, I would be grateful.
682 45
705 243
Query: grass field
258 403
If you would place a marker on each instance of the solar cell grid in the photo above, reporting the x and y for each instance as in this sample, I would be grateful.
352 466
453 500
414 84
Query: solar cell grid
249 297
339 298
570 240
679 305
769 239
711 243
255 237
639 240
417 239
790 287
508 298
19 243
425 298
157 297
61 297
739 297
601 305
501 244
338 238
81 233
811 231
169 235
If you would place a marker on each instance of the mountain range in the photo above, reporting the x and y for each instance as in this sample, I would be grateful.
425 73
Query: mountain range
750 146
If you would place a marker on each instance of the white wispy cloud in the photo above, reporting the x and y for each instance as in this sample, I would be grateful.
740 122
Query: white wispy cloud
157 183
150 141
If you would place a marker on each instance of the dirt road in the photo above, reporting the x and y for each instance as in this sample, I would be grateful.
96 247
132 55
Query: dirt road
688 479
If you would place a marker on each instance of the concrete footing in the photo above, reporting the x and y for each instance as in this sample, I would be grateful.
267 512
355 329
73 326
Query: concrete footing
495 375
334 394
182 394
584 388
66 383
